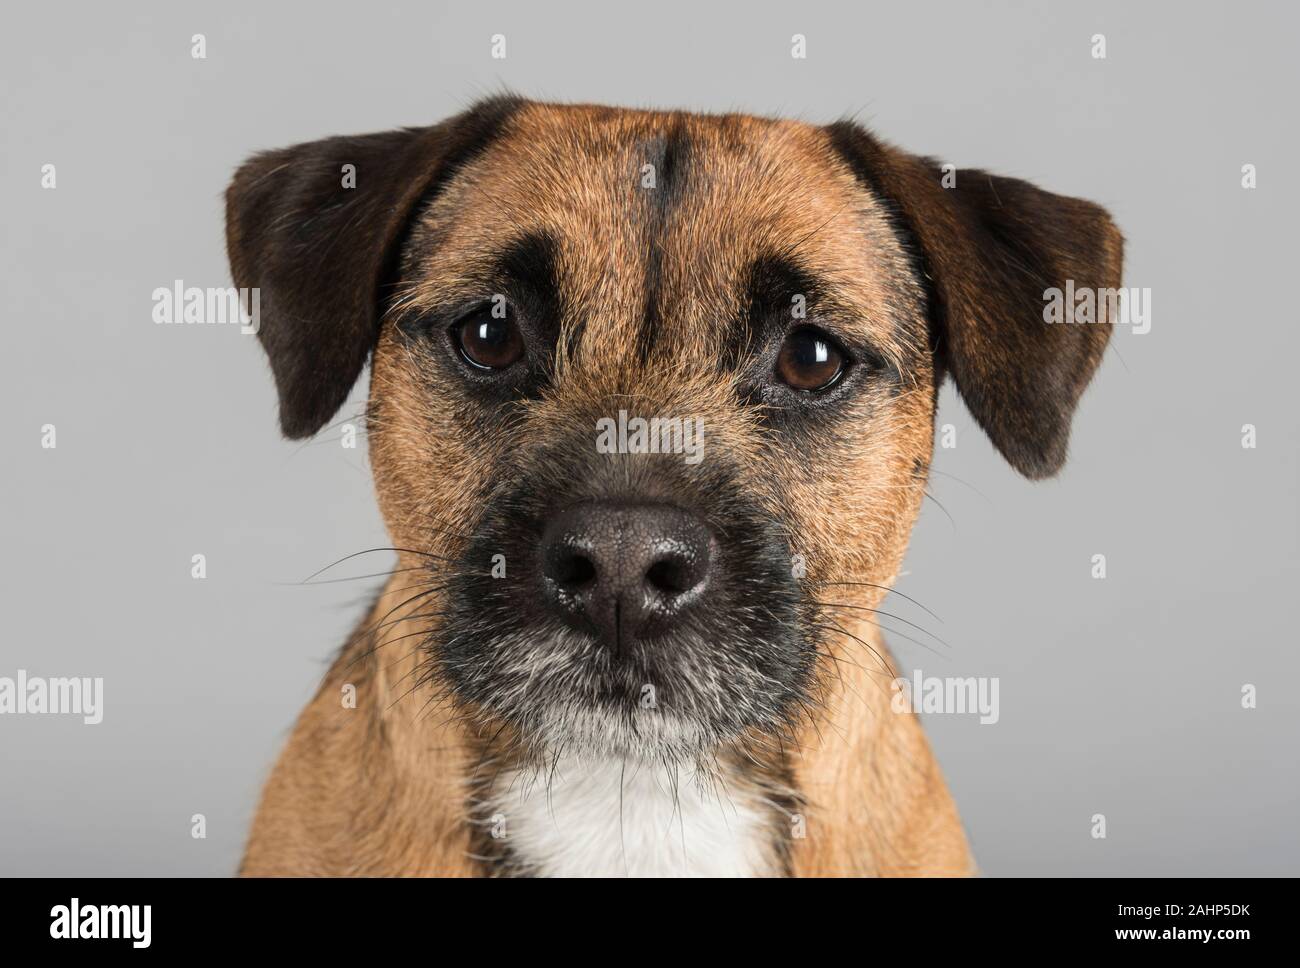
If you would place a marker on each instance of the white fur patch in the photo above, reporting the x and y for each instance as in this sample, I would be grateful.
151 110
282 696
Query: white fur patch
614 817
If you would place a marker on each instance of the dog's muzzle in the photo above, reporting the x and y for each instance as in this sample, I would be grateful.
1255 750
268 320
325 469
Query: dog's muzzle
641 605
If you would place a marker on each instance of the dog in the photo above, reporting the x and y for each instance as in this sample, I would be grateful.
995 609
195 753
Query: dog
613 659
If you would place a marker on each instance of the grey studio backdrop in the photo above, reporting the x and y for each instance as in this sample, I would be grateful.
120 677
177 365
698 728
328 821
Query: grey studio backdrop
1119 696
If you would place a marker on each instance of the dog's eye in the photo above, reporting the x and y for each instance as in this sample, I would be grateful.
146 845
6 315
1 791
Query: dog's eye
809 360
489 341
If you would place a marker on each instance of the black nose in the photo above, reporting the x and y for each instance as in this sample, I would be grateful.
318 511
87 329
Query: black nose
625 571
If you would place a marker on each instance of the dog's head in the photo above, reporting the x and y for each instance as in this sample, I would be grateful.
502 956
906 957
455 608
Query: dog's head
645 385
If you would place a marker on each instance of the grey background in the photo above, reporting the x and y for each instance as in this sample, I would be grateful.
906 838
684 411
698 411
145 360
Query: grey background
1118 696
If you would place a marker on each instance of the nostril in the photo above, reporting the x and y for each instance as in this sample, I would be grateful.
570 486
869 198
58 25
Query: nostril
573 570
670 576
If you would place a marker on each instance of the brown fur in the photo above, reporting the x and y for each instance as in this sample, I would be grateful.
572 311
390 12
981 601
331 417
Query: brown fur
928 278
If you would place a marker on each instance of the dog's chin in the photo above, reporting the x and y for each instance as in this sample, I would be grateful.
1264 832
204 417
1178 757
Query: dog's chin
562 694
647 735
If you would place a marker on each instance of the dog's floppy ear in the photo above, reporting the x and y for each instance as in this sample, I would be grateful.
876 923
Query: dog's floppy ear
320 242
990 248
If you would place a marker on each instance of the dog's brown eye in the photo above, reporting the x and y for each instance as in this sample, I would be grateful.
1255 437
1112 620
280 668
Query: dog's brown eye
488 341
809 360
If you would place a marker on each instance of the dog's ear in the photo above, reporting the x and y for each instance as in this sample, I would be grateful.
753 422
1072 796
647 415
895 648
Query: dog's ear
990 248
321 241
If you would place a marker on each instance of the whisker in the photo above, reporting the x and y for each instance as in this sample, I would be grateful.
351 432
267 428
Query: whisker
965 483
335 581
413 598
884 665
372 551
897 618
951 520
370 652
894 591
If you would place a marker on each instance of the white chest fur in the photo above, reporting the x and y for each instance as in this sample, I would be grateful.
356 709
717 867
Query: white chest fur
611 818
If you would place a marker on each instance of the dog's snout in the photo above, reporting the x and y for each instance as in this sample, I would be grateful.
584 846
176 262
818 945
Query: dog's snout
625 571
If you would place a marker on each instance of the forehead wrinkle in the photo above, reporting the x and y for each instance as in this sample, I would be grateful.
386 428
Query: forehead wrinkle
752 201
694 260
751 186
667 156
619 260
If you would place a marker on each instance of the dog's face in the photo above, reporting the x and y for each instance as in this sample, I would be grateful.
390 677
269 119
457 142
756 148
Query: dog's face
754 295
784 298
